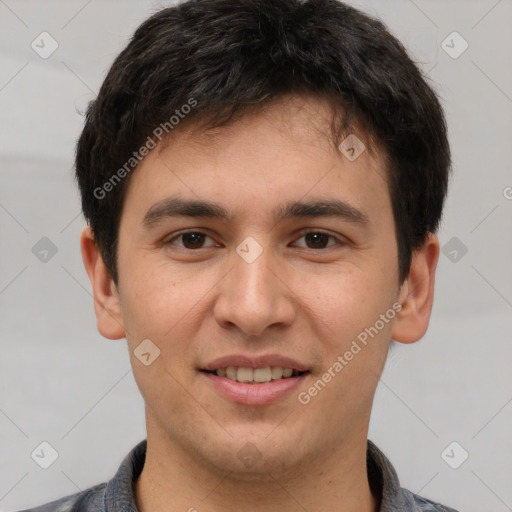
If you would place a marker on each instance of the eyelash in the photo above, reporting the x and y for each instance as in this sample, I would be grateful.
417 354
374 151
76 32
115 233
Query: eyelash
301 235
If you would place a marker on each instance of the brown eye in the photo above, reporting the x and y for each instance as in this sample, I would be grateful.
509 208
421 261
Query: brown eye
190 240
318 240
193 239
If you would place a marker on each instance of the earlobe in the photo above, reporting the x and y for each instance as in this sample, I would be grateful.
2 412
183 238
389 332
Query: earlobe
417 293
106 297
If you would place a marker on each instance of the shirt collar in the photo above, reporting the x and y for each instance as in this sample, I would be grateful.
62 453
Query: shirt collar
384 481
119 492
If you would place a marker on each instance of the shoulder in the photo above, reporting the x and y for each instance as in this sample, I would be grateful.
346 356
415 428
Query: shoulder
90 500
385 483
419 504
116 494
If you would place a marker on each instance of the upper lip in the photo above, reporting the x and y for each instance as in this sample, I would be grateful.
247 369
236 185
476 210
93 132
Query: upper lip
262 361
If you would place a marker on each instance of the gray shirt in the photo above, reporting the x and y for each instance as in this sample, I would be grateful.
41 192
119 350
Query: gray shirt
117 494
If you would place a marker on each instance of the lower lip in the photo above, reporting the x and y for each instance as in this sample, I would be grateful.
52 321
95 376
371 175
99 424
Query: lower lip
254 394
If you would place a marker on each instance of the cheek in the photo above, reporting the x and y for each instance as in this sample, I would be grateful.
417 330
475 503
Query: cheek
343 303
345 314
158 308
346 318
156 302
166 307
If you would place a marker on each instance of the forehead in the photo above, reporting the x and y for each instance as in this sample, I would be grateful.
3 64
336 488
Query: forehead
305 117
286 150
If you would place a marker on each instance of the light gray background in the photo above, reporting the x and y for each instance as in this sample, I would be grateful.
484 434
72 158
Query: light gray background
63 383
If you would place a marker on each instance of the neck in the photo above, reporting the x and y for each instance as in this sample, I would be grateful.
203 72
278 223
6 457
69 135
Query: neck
336 480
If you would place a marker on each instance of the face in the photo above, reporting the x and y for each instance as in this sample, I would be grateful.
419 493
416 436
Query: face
266 289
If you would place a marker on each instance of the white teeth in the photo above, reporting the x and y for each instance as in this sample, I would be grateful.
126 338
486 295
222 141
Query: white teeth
277 372
231 372
243 374
262 374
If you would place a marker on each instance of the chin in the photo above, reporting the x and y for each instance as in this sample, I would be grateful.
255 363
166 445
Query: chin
255 453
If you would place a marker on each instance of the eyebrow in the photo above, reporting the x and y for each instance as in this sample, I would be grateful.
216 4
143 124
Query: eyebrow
177 207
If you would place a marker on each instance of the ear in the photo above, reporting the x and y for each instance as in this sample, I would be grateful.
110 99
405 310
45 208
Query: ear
417 294
106 297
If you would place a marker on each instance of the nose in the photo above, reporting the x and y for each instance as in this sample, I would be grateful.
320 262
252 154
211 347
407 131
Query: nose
254 296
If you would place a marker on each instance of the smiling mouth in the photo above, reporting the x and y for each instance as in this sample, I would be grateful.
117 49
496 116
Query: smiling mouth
255 375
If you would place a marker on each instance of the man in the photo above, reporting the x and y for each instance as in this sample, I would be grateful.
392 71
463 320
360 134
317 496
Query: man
262 183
